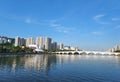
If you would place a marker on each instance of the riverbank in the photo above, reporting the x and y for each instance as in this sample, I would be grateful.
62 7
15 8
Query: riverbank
14 53
24 53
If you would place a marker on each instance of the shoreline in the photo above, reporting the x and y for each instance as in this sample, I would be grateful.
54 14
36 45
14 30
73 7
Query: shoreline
23 53
19 53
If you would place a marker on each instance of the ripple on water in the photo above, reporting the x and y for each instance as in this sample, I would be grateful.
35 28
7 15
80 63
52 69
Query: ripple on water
52 68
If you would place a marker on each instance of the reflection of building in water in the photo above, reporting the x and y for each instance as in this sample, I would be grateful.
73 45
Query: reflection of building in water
14 66
29 62
40 61
66 58
45 59
49 62
60 59
33 62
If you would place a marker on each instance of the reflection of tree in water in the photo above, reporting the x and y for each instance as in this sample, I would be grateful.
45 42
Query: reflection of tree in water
49 62
8 60
11 62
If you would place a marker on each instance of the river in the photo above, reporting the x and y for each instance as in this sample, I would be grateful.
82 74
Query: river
59 68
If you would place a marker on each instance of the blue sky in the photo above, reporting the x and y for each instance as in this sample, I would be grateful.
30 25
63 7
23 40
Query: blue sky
89 24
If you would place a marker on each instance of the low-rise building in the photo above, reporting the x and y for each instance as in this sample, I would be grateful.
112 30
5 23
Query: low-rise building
4 39
66 48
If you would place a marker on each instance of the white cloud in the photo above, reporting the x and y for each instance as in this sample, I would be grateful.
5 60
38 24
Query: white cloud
115 19
51 23
103 23
97 17
55 25
97 33
28 20
34 21
61 28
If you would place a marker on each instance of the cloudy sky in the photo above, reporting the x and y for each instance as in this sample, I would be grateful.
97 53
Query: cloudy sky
89 24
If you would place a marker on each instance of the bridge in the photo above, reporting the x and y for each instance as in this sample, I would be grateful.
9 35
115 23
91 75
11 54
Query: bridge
87 52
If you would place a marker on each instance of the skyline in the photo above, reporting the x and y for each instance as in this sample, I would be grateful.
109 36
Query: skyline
90 25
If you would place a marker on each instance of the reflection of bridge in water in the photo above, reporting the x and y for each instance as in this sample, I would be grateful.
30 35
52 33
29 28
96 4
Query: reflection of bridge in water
87 52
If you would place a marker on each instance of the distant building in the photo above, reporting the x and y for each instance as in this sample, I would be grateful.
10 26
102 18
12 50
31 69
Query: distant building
66 47
17 41
74 48
61 46
117 47
40 42
54 46
33 46
4 39
48 43
29 41
23 41
20 41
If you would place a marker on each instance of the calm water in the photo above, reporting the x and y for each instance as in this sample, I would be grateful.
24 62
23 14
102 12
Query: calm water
59 68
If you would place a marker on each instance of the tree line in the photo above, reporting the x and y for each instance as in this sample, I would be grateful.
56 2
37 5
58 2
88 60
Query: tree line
9 47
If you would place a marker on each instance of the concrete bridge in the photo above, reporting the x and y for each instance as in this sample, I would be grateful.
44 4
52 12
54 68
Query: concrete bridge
87 52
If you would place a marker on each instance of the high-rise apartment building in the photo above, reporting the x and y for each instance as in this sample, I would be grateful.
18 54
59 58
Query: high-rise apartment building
19 41
40 42
23 42
48 43
61 46
54 46
29 41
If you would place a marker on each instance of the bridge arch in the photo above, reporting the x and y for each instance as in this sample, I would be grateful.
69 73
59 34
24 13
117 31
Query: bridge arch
69 53
76 53
82 53
61 53
64 52
91 53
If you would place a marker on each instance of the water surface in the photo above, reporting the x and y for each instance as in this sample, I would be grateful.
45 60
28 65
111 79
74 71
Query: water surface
59 68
